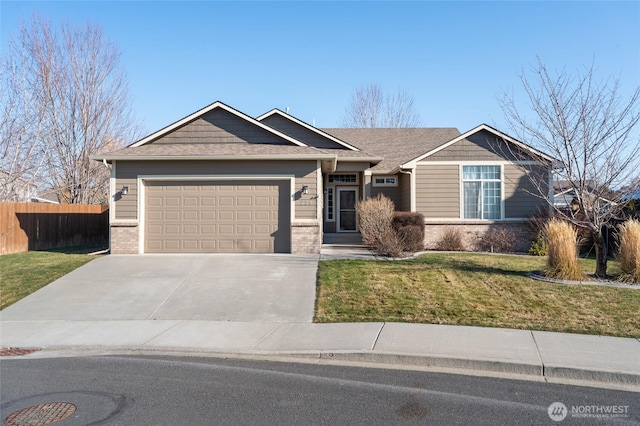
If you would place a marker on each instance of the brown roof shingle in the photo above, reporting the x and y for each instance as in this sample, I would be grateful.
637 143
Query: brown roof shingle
395 145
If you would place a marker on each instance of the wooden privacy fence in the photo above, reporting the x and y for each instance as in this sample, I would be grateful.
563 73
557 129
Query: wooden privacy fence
38 226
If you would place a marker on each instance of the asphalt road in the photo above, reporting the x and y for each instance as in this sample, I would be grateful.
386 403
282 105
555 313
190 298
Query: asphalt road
155 390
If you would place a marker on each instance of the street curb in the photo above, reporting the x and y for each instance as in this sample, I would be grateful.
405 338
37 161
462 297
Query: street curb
572 373
522 371
435 361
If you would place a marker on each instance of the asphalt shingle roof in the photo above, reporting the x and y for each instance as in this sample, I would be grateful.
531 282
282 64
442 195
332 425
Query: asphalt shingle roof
395 145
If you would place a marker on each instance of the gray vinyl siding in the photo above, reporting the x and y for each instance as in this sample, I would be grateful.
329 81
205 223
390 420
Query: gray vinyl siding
127 173
220 126
438 190
392 192
300 133
521 196
404 182
480 146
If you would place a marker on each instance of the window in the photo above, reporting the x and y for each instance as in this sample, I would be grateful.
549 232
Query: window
385 181
329 205
343 178
482 192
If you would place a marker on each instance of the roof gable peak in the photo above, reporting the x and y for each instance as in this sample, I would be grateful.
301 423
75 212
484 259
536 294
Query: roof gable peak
477 129
276 111
215 105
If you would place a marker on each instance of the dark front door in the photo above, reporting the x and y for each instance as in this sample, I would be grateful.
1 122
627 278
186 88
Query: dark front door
347 209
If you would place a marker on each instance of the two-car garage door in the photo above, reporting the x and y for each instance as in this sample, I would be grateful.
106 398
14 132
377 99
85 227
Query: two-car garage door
217 217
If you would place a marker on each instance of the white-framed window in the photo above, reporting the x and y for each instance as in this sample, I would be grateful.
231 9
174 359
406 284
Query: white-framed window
343 178
329 205
482 192
385 180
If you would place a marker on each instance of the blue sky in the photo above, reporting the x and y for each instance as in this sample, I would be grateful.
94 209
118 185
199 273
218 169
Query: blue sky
453 57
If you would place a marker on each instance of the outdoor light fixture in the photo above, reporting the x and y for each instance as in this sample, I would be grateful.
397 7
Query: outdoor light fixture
125 190
305 189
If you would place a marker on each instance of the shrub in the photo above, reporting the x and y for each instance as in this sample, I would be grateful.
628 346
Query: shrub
562 240
629 250
539 246
450 240
410 229
497 241
389 244
376 215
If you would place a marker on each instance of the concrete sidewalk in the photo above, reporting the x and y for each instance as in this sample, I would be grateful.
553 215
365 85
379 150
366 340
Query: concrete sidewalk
529 354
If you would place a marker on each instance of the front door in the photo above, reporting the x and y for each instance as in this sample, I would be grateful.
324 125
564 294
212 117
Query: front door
347 209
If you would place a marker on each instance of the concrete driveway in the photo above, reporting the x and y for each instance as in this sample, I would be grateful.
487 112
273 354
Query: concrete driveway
215 287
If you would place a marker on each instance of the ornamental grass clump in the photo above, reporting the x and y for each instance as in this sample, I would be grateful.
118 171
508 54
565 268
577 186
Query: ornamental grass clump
562 242
629 250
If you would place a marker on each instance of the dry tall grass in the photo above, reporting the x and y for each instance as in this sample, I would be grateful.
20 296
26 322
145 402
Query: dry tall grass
629 250
562 240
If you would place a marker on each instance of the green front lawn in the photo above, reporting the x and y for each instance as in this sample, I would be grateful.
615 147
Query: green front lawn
23 273
472 289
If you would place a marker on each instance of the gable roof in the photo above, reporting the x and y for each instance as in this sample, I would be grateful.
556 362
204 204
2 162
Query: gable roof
301 123
200 113
504 136
395 145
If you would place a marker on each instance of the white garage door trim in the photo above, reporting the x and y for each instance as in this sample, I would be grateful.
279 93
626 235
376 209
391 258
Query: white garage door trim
142 179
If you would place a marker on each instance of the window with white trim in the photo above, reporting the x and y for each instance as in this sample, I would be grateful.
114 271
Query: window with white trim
329 205
482 192
343 178
385 181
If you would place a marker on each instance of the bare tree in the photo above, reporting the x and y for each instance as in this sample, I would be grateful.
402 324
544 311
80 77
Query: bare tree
21 157
371 107
71 82
592 131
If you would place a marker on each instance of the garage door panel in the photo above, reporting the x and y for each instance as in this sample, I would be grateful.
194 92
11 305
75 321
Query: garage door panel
206 201
262 229
244 215
172 201
244 201
207 215
244 229
171 215
222 216
226 201
227 215
262 215
207 229
190 215
190 229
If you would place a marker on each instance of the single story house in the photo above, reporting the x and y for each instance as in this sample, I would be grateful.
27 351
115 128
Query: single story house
219 180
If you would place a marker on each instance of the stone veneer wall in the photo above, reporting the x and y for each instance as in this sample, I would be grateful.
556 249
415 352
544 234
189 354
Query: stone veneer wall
523 235
124 238
306 237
